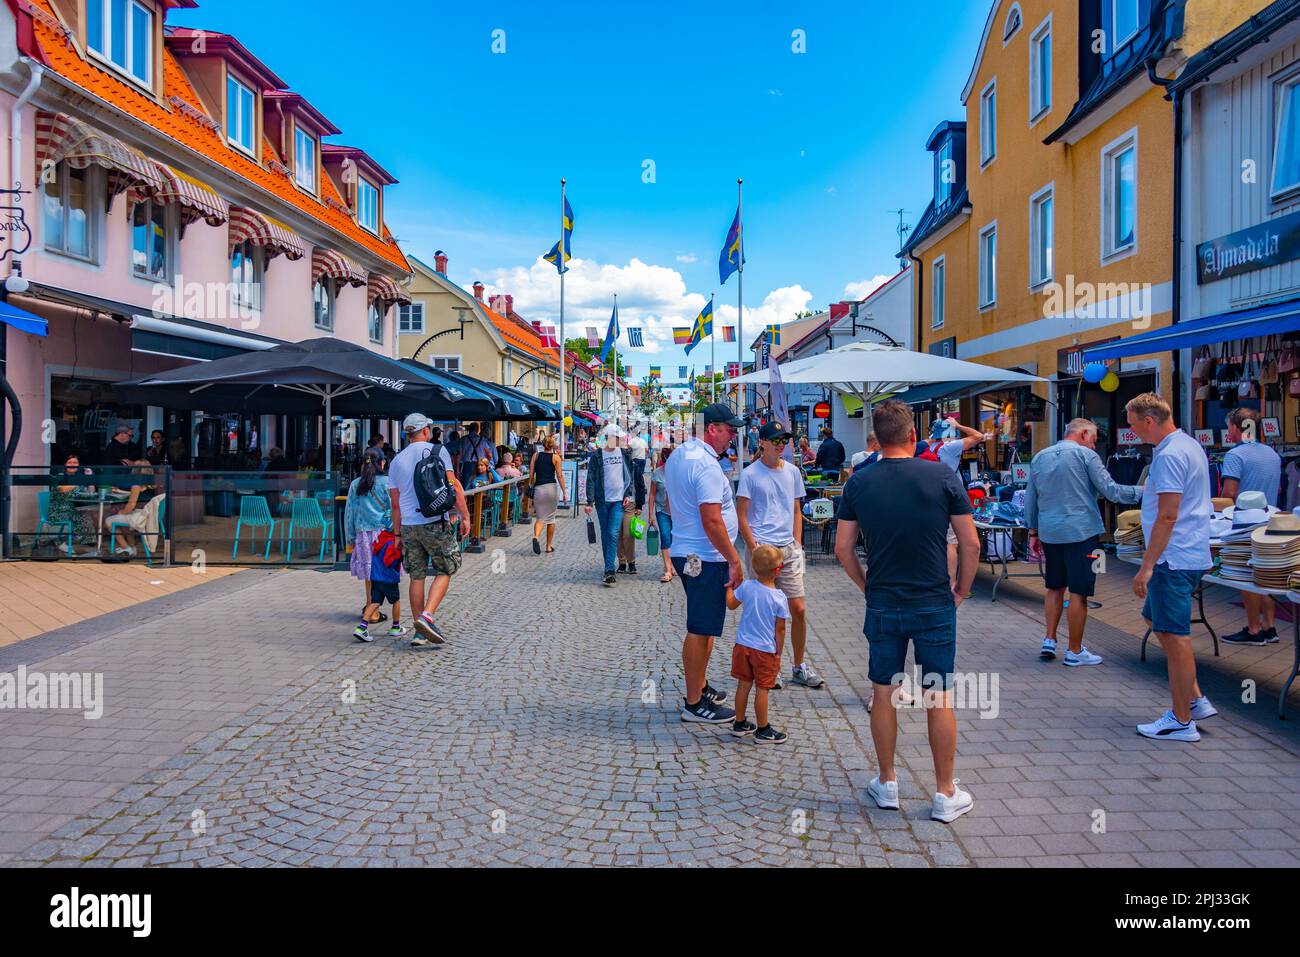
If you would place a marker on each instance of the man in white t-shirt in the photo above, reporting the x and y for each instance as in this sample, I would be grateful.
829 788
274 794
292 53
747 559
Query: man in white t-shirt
704 553
424 540
768 512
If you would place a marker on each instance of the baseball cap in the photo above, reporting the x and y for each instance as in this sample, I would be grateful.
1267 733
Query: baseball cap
415 422
721 414
613 430
123 428
774 430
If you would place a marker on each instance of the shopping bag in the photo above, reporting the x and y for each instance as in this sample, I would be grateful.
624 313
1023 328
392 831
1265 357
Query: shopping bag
652 541
591 531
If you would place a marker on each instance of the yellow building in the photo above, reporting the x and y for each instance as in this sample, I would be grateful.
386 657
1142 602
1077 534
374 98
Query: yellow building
1052 220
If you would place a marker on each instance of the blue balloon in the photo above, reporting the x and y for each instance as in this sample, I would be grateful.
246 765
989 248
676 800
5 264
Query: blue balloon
1094 371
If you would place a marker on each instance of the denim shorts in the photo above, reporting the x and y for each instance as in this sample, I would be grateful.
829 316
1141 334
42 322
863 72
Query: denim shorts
706 596
933 633
665 523
1168 604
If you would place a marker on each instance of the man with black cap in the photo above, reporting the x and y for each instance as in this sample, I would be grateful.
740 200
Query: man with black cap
767 506
704 555
120 450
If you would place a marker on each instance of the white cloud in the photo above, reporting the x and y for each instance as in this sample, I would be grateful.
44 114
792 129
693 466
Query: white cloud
779 306
861 290
687 258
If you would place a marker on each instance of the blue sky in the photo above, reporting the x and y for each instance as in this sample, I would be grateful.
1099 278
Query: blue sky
827 140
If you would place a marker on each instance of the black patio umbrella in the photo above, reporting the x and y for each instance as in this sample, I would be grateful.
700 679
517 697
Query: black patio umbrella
299 377
510 405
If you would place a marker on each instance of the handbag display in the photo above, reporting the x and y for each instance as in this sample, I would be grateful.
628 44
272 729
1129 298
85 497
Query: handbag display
1293 387
1203 367
1288 361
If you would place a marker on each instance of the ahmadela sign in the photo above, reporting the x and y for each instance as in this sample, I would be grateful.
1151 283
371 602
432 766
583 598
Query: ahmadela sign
1255 247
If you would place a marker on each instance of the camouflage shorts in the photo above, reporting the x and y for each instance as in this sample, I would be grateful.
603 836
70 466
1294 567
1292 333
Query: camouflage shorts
434 544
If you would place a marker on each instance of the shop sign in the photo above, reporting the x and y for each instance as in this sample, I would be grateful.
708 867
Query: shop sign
1255 247
13 222
1128 437
1272 427
549 395
1069 360
944 347
1019 473
1227 442
1205 437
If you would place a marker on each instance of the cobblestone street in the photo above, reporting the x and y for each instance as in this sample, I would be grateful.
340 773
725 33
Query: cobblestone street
546 732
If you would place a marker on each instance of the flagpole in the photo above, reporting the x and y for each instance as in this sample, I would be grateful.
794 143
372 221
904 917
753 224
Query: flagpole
740 320
614 343
713 345
560 257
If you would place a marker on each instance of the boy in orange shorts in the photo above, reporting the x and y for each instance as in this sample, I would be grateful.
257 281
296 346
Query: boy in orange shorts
760 636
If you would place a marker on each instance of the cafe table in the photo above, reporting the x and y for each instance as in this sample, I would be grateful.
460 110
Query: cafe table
986 530
88 496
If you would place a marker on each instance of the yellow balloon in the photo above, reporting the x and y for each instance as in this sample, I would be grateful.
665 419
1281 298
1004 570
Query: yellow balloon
1110 383
568 420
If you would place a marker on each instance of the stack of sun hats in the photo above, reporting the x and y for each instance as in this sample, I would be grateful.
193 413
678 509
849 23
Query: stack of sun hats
1251 512
1128 534
1276 550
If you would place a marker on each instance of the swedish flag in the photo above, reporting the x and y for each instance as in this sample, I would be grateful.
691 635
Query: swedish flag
702 327
733 252
553 257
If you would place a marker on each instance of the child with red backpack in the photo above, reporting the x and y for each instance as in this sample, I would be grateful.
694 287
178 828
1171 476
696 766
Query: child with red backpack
385 583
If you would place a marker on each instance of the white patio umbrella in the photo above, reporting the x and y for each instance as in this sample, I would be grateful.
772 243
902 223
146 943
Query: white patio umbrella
870 370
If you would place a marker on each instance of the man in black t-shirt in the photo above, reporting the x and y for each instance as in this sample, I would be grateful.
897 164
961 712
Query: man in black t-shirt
904 506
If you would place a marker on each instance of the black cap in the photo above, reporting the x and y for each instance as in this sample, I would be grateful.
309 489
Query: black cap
721 414
774 430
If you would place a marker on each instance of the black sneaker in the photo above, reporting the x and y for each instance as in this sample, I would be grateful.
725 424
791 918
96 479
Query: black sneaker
742 728
713 694
622 568
1269 635
769 735
1244 637
610 579
631 568
537 547
703 712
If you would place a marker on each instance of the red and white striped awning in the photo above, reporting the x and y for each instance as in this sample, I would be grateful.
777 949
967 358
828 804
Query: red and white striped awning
382 287
196 199
276 238
327 262
60 138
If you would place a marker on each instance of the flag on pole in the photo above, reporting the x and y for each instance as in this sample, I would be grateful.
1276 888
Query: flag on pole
546 334
634 337
611 334
593 337
728 333
708 370
627 372
733 370
553 257
773 333
732 256
655 372
681 336
776 396
702 328
681 372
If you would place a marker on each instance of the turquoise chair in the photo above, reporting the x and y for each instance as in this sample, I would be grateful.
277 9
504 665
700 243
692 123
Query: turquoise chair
43 508
255 513
306 514
119 521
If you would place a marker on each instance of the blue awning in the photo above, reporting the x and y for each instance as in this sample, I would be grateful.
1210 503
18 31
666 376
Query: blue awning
22 320
1270 320
919 394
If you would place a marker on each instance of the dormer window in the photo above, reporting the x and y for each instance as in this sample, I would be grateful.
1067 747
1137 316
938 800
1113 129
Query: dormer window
1125 20
945 174
368 205
241 103
304 159
121 32
1012 25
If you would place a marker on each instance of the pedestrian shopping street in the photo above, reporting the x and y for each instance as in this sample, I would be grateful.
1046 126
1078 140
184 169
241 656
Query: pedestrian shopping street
243 724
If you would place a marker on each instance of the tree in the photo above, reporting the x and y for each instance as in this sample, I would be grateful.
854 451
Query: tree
705 387
579 347
652 400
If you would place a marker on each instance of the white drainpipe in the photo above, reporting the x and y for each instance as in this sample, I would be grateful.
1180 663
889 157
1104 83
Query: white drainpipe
16 124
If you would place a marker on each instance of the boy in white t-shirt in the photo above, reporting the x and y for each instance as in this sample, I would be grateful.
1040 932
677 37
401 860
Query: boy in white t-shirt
760 636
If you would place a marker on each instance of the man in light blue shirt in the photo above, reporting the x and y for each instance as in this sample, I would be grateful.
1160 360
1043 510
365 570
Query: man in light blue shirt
1176 514
1251 466
1065 481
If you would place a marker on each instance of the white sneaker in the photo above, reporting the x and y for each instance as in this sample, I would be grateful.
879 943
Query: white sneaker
884 793
396 631
1168 728
1082 657
1202 709
1048 650
948 809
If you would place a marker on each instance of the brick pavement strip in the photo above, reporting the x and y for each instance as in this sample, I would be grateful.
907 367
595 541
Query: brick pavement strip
271 738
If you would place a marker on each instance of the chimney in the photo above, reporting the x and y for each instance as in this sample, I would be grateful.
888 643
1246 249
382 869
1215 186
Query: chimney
510 305
478 291
495 303
440 263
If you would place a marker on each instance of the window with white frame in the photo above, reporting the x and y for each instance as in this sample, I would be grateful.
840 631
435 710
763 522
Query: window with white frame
938 275
943 188
1012 25
445 363
368 205
121 31
989 265
1041 236
241 111
989 122
247 264
1124 22
1119 196
71 204
1286 145
375 320
1040 70
152 240
410 317
324 293
304 159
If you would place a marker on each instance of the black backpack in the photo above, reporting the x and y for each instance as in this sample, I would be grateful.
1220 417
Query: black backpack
433 493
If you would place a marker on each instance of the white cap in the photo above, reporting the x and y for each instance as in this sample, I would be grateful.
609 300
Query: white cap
613 430
415 422
858 458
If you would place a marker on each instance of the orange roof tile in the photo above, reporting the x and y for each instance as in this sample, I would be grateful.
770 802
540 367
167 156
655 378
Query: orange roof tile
63 58
520 336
